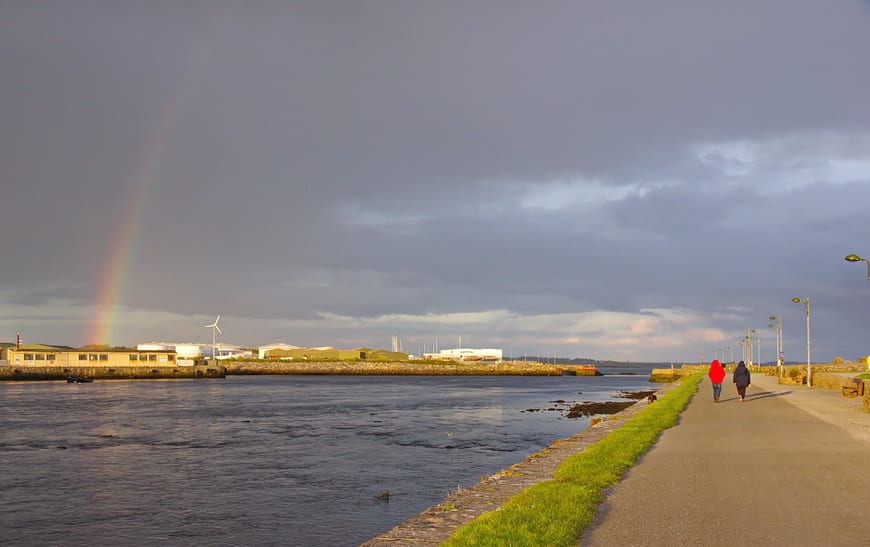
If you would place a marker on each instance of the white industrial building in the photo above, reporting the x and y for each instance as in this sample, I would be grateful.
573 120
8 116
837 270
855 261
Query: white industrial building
466 354
182 351
186 351
263 350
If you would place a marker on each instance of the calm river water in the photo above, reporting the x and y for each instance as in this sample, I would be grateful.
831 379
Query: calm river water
278 460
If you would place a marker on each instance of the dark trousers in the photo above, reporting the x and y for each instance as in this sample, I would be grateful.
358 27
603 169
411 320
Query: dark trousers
741 390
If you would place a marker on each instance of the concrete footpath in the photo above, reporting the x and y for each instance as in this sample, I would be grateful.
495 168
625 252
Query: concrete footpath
788 466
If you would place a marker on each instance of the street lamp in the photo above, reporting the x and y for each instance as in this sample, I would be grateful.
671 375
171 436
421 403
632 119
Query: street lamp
758 347
749 336
778 329
855 258
806 303
748 351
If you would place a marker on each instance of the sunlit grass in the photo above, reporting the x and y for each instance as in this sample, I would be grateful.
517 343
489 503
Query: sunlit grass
557 512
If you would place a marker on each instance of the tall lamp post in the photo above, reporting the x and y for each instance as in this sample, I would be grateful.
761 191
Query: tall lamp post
755 333
758 347
855 258
806 303
778 329
748 347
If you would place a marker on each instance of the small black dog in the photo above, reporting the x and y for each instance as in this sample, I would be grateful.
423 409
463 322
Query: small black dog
651 397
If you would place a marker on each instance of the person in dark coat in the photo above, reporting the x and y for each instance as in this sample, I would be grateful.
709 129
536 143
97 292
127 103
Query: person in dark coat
717 376
742 379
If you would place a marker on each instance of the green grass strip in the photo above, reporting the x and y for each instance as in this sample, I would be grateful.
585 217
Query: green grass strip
556 512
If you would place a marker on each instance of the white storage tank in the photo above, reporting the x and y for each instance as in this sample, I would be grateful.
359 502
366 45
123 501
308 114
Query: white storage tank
188 351
154 346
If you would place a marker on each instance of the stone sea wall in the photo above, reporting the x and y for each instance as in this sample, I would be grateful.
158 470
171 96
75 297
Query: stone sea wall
110 373
403 368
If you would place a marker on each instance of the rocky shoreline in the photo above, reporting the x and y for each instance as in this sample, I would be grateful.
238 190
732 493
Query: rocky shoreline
436 524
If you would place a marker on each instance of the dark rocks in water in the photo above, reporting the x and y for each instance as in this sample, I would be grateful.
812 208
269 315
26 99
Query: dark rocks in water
384 496
595 408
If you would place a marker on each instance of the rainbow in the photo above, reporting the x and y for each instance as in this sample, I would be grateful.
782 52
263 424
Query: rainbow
115 273
122 249
113 282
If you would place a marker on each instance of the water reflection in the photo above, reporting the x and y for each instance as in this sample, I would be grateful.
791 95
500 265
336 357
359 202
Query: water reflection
280 460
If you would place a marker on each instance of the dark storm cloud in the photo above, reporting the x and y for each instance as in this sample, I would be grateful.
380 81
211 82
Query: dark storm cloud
388 166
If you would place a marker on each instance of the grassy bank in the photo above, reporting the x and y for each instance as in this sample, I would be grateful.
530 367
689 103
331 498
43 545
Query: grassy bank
557 512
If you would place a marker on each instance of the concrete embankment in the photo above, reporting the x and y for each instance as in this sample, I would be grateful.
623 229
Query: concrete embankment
110 373
404 368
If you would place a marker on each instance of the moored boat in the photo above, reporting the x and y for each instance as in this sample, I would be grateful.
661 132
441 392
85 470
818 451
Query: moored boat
78 380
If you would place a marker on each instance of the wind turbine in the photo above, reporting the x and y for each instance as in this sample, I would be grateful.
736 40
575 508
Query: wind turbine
214 328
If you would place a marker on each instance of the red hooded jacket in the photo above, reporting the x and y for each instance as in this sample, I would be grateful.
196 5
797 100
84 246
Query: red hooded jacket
717 372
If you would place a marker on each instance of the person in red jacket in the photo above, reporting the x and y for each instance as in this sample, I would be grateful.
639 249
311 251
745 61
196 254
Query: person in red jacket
717 376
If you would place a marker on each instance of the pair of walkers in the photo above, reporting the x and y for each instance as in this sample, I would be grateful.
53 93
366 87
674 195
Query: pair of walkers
741 376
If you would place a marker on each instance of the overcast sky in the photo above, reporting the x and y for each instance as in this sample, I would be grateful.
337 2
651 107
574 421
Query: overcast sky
624 180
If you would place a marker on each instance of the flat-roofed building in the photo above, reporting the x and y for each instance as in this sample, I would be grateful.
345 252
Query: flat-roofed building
466 354
263 351
39 355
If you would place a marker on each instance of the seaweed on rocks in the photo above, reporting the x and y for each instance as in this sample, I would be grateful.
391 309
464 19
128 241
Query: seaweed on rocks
590 408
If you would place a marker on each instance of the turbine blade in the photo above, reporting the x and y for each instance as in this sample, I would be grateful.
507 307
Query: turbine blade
218 319
218 329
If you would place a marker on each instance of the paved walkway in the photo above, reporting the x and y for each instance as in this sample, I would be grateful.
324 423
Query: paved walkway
788 466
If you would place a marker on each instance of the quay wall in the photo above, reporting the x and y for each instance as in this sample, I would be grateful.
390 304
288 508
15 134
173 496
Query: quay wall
11 373
404 368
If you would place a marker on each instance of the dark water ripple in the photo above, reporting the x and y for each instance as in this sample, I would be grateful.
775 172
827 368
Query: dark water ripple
262 460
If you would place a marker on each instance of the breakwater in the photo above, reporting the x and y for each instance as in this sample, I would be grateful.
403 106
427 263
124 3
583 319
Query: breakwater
110 373
405 368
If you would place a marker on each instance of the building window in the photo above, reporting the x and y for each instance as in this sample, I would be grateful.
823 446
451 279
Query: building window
40 357
28 357
134 357
172 358
50 357
104 357
83 356
92 357
152 357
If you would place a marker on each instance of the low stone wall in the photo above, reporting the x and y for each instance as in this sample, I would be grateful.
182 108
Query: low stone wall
831 380
400 368
111 373
668 375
